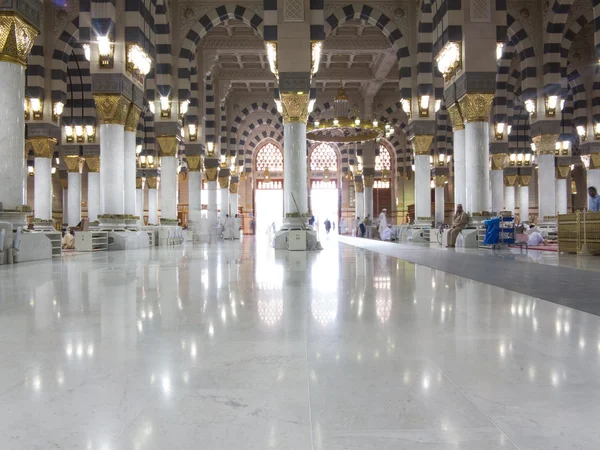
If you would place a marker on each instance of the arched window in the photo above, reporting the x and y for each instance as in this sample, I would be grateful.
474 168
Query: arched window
269 157
383 160
323 157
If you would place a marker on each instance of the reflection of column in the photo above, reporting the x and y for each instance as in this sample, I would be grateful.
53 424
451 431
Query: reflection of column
360 197
475 109
64 182
545 146
168 177
369 179
152 200
497 181
562 172
524 197
224 192
233 195
211 172
73 164
43 149
195 182
440 182
112 112
139 200
130 163
460 174
17 39
295 114
421 146
509 192
93 198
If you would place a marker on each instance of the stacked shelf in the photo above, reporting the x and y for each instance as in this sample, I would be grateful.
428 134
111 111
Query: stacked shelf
91 241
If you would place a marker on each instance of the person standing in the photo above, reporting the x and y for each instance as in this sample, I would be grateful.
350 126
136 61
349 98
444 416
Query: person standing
594 201
368 222
382 222
327 224
459 222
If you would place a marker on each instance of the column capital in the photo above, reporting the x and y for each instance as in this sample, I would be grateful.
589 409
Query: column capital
295 106
168 145
510 180
233 187
111 108
545 144
43 147
133 118
74 163
594 161
422 144
16 37
194 163
358 183
498 161
139 183
524 180
152 182
369 180
562 172
440 180
475 107
93 163
64 182
458 123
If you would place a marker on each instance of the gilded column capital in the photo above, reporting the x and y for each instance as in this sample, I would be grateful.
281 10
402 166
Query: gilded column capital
422 144
194 163
74 163
111 108
369 180
524 180
476 107
510 180
139 183
295 107
16 38
167 145
211 173
64 183
358 186
595 161
133 118
233 188
458 123
440 180
545 144
224 182
562 172
498 161
43 147
152 182
93 163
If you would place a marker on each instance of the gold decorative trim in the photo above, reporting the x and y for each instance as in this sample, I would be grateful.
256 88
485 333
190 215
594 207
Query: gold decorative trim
224 182
233 188
111 108
152 182
562 172
422 144
133 118
440 180
211 173
64 182
510 180
194 163
545 144
295 107
167 145
139 183
359 187
595 161
16 38
458 123
93 164
74 163
524 180
498 161
476 107
43 147
369 180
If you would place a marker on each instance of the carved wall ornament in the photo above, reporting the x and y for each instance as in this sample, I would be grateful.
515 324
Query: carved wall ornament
524 13
194 163
188 13
510 180
476 107
399 13
498 161
545 144
211 173
295 107
93 163
458 122
43 147
63 18
480 10
422 144
16 38
111 108
293 10
168 145
133 118
152 182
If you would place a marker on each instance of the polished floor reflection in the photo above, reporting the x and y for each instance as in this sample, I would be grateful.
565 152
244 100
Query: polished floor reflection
234 346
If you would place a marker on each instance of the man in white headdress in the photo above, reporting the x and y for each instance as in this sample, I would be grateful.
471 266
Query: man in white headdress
382 222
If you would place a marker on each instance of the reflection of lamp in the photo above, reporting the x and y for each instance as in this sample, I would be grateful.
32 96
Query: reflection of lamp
438 104
530 107
448 60
57 110
53 171
499 50
56 158
30 169
272 56
551 103
86 51
317 49
508 129
597 130
405 106
183 108
573 187
138 149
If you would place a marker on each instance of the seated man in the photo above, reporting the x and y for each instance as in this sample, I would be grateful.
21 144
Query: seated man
68 241
459 222
536 239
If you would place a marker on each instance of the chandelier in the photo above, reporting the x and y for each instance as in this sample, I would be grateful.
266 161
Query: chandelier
345 129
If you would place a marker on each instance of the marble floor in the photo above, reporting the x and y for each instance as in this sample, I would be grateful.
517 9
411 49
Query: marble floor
234 346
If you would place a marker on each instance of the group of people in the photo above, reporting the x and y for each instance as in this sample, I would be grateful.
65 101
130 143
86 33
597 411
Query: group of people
231 227
363 228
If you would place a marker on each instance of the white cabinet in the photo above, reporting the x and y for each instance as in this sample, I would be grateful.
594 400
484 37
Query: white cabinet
91 241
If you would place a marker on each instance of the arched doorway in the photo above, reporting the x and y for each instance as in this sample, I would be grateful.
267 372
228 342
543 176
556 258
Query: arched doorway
324 183
382 192
268 187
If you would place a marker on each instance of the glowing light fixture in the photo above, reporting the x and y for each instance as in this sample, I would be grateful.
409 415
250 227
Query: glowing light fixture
311 105
530 107
508 129
86 51
551 104
448 60
210 146
424 106
138 60
375 123
336 122
405 106
357 122
272 56
53 171
57 110
192 131
37 107
317 123
562 103
183 108
499 50
317 50
165 107
597 130
581 132
105 52
500 130
69 133
138 149
438 104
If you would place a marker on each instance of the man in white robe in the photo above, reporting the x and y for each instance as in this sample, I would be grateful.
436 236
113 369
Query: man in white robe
228 228
382 222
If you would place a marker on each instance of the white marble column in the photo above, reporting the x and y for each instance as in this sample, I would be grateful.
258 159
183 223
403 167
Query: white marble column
12 135
368 198
74 214
593 179
561 196
497 182
112 170
130 166
439 204
213 215
294 157
93 193
152 201
168 187
360 205
42 200
509 198
224 195
65 201
139 201
460 174
195 190
233 202
546 188
477 167
524 203
422 189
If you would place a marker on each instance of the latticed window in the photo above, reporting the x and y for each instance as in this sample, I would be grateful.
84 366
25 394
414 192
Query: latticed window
323 157
269 157
383 160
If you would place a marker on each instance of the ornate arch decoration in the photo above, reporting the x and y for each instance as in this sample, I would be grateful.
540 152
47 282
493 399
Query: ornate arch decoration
80 108
252 139
517 35
324 155
60 60
208 21
383 158
375 17
519 139
268 155
318 110
34 71
238 122
425 50
569 36
397 122
555 26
